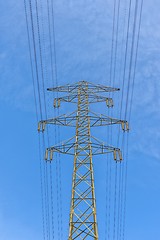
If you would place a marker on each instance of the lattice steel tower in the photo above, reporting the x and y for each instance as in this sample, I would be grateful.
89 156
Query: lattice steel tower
83 219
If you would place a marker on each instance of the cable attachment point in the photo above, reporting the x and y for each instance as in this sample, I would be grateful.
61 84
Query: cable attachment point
48 155
41 126
125 126
57 102
117 155
109 102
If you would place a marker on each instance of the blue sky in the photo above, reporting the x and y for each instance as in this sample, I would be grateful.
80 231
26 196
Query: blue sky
83 33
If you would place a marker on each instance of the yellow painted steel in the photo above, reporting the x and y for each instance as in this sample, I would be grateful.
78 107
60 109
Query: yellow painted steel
83 220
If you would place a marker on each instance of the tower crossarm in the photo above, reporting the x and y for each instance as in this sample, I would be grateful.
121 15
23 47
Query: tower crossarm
95 121
73 88
68 147
92 98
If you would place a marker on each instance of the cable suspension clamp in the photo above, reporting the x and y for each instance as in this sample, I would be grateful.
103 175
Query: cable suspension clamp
57 102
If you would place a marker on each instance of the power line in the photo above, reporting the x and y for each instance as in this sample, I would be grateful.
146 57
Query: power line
56 81
40 106
134 71
115 203
116 41
125 57
120 189
131 56
41 59
35 57
125 190
136 55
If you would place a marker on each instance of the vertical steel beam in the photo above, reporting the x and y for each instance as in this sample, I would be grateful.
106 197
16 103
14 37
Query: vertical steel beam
83 220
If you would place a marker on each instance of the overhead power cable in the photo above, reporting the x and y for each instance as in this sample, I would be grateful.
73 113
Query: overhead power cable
41 58
115 202
56 83
136 55
40 104
131 56
125 57
134 71
38 84
121 105
30 56
116 42
35 57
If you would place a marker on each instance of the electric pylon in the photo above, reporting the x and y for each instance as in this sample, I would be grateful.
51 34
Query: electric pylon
83 219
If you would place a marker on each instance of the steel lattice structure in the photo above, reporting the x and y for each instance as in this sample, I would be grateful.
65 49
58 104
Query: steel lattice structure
83 219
